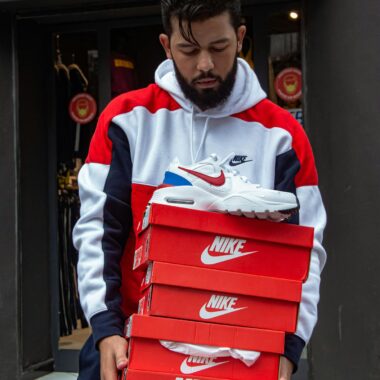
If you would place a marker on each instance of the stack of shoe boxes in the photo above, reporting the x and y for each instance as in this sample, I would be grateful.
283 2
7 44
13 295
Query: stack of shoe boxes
216 280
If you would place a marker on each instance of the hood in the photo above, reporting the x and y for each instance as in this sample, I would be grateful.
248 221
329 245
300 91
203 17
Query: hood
246 92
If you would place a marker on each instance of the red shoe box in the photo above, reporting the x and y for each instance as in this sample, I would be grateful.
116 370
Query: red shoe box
226 242
148 355
143 375
216 296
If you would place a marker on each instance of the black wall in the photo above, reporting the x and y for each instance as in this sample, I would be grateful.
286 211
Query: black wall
342 116
9 259
34 110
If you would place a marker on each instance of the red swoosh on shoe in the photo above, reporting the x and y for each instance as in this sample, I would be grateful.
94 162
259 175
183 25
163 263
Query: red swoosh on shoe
215 181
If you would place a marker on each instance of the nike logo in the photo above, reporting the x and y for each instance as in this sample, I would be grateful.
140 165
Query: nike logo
201 364
215 181
239 160
207 259
225 304
230 247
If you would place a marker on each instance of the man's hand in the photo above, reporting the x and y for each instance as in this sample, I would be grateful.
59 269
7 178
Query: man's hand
113 356
286 369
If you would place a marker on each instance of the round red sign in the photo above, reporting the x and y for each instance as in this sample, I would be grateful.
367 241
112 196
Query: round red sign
288 84
82 108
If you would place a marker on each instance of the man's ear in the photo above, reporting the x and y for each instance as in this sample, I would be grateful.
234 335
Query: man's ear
240 36
165 42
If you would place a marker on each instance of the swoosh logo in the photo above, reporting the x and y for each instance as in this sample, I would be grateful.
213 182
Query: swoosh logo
215 181
187 370
207 259
234 162
205 314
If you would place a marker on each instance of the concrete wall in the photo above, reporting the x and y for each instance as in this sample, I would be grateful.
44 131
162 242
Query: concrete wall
342 116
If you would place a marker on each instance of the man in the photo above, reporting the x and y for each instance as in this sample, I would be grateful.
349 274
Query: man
205 100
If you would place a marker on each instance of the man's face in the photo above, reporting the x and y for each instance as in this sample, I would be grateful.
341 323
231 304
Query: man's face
205 69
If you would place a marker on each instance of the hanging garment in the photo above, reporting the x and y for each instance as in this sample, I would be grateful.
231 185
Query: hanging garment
65 131
68 214
123 74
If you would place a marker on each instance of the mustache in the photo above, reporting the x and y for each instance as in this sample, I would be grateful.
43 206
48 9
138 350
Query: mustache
209 76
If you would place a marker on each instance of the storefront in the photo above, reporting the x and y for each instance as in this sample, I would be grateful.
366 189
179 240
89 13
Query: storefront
50 53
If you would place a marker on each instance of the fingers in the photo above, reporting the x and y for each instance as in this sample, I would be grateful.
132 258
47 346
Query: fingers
108 369
121 356
113 357
286 369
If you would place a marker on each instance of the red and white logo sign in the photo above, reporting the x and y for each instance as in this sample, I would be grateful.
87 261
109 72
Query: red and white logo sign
288 84
219 305
224 249
82 108
194 364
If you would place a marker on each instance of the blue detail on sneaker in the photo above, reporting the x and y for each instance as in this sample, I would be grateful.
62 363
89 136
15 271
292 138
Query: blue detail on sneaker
175 180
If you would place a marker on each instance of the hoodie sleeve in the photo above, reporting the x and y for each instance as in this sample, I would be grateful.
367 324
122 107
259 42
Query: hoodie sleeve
296 172
105 221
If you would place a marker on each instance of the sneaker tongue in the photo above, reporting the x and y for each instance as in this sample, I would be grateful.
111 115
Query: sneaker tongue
211 166
226 159
206 167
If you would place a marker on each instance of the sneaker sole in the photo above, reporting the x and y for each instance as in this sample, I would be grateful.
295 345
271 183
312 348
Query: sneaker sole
235 204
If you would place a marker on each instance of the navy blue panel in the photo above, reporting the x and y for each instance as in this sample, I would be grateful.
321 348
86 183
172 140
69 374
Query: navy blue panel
294 346
287 167
107 323
117 214
89 361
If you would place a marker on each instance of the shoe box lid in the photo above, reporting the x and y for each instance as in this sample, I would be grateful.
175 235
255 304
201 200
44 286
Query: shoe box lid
177 330
214 296
222 281
151 356
146 375
226 242
226 224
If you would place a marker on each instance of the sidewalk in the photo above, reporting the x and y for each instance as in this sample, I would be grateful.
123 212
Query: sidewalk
59 376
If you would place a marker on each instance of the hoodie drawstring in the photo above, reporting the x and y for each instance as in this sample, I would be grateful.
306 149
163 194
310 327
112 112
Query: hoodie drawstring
202 139
192 135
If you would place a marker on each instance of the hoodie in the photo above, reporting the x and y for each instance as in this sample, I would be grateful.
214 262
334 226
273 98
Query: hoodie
137 136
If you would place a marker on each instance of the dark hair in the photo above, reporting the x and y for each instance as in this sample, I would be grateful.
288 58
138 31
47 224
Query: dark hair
189 11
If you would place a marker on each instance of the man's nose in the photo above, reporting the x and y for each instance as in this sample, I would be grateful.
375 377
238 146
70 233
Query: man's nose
205 62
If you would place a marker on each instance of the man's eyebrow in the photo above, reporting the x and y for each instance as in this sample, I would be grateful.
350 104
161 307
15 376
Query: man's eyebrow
220 41
185 45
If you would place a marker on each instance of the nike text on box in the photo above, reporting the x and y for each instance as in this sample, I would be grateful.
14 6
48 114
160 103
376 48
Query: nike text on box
226 242
144 375
147 354
216 296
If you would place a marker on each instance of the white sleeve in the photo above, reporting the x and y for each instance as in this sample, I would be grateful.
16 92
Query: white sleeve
312 214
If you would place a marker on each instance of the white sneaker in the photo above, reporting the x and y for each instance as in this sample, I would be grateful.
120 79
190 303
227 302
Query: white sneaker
210 185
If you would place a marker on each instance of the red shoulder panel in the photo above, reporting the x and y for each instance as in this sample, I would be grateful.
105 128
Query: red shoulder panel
272 116
153 98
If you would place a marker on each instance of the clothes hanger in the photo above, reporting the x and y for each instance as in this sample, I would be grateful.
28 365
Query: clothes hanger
58 65
74 66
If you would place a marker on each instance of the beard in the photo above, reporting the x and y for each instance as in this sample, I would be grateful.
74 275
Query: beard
208 98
